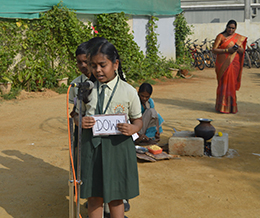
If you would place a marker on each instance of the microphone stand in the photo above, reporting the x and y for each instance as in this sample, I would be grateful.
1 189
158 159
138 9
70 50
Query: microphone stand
82 88
71 179
79 182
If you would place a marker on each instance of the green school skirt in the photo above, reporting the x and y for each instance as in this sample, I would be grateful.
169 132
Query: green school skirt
109 170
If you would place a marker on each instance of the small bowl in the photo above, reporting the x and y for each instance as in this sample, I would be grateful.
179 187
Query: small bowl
140 149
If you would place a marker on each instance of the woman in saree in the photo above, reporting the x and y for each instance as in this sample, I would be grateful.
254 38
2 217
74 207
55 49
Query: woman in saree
229 47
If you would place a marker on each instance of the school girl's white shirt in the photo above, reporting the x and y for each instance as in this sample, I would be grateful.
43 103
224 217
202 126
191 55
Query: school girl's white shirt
124 100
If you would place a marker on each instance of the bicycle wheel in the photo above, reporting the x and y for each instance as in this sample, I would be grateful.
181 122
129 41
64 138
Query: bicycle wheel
247 60
199 60
256 57
208 60
193 58
213 58
251 58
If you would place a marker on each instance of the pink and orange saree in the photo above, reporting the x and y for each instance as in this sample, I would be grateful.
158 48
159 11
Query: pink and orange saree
229 71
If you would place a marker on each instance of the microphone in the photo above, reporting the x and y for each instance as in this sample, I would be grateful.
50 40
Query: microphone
86 85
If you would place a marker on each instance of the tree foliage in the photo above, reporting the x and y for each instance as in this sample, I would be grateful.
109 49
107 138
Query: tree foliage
34 53
182 31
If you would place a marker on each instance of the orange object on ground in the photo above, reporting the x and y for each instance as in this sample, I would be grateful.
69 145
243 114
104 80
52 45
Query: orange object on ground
154 149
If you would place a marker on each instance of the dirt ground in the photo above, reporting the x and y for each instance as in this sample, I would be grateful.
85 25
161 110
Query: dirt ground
34 156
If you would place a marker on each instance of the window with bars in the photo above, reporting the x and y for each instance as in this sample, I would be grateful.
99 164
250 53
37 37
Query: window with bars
254 8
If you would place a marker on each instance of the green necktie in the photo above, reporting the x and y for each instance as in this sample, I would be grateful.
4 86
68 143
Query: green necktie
96 140
101 98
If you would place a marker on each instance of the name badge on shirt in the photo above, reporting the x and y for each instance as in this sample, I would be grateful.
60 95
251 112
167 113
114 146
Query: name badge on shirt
106 124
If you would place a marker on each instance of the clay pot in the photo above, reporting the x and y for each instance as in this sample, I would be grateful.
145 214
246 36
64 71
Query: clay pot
5 88
184 72
174 72
204 130
62 81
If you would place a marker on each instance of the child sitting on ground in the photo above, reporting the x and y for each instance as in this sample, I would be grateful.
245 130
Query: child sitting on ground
152 121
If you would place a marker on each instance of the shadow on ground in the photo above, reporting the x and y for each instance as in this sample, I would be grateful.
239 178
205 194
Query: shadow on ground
24 172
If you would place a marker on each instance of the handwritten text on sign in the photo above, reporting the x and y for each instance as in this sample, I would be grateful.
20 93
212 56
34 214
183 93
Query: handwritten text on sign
106 124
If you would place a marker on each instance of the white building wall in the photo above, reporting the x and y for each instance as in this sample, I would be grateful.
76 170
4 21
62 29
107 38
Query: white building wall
211 30
139 28
166 37
209 17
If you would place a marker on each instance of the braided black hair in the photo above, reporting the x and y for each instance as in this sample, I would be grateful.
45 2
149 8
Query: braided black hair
86 47
111 53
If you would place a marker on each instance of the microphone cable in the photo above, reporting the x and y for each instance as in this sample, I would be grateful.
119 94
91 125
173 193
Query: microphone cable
70 152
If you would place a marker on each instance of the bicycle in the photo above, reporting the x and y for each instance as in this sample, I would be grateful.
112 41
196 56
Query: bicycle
254 54
207 54
247 60
198 59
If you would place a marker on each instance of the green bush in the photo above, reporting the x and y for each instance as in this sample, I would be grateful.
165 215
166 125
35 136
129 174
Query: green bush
115 29
34 53
48 48
12 94
136 65
10 40
182 31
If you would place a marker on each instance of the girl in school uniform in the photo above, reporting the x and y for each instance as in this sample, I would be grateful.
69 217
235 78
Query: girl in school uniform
109 166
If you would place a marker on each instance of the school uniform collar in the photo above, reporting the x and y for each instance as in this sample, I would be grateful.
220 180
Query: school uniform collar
83 77
111 84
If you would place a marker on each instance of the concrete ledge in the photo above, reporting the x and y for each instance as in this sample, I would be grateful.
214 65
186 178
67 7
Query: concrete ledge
219 145
189 146
184 134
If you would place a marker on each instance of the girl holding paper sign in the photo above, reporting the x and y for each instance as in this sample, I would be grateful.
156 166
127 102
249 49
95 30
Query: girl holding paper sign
109 167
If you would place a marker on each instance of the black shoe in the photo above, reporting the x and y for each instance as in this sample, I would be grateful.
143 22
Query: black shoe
126 205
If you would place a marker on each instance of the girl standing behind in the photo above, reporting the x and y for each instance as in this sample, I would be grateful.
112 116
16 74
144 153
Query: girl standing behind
152 121
109 166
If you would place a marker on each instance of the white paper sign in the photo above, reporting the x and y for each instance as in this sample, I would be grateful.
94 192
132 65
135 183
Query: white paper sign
106 124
